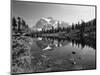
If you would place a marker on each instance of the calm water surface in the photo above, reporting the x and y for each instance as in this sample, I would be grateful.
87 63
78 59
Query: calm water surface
51 54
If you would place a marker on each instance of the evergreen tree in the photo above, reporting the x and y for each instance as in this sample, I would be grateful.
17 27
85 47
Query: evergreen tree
82 28
23 24
14 23
58 26
72 26
19 23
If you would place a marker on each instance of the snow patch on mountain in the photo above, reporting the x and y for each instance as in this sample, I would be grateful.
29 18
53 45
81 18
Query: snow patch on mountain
47 23
48 20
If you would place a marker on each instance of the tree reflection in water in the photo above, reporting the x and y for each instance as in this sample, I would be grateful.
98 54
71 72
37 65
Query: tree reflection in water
54 42
46 57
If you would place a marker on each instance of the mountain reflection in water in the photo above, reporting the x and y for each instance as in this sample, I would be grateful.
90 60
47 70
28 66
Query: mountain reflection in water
57 42
56 54
51 43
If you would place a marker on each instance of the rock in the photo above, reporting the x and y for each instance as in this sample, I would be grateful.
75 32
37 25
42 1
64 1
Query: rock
73 52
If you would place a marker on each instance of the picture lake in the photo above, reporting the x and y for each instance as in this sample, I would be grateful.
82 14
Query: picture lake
54 54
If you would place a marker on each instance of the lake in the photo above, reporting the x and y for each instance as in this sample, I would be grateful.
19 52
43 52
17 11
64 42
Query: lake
59 54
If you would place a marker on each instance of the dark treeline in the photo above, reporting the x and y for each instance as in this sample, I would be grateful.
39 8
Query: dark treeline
80 28
83 25
19 25
85 28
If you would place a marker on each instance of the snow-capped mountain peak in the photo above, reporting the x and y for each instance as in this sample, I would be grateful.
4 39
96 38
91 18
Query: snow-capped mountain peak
49 23
46 19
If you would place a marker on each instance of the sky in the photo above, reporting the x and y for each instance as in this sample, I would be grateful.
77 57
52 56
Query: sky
31 12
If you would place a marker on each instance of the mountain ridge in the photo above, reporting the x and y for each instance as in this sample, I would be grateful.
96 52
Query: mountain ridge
47 23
